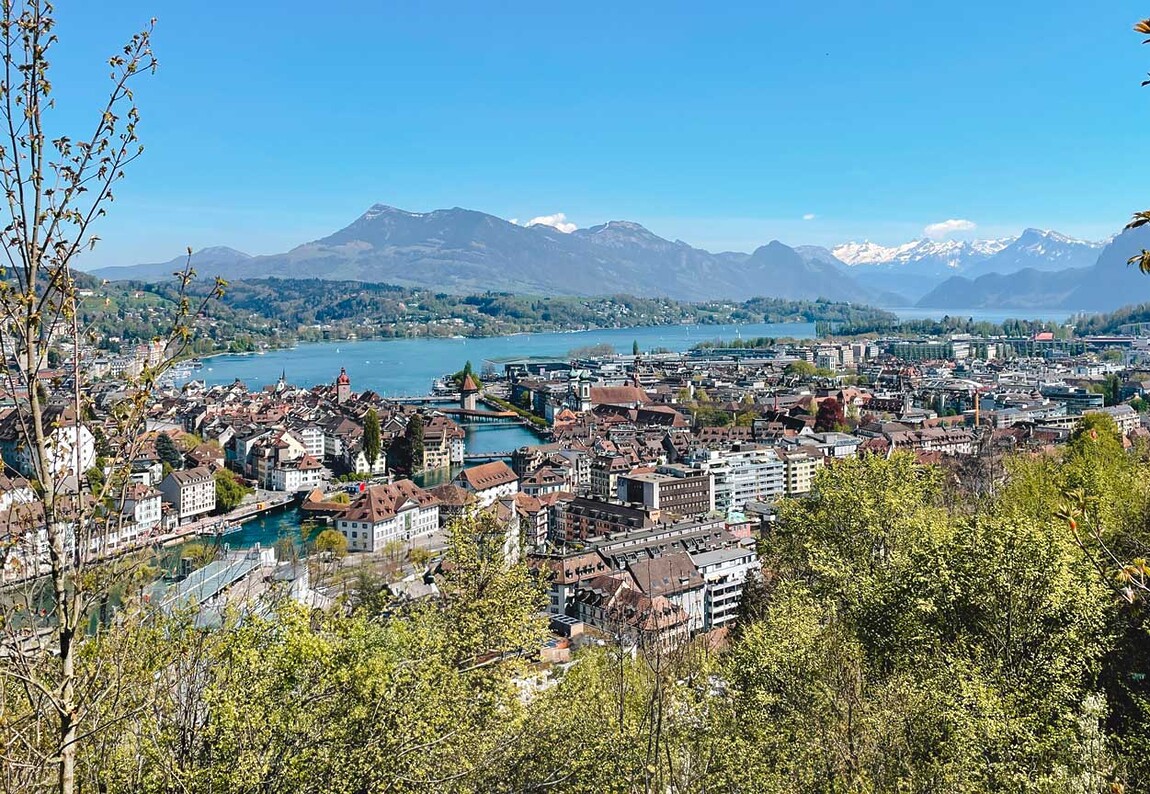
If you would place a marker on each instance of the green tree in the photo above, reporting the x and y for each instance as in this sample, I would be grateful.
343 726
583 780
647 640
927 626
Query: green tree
1110 389
462 374
331 542
753 602
168 453
635 348
199 554
393 551
904 639
230 490
59 174
420 557
493 603
800 369
97 479
894 620
371 437
413 443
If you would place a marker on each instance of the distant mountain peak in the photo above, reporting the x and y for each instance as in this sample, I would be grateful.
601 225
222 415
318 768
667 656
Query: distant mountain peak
951 253
1039 248
621 226
616 232
376 210
1039 235
463 250
773 245
221 251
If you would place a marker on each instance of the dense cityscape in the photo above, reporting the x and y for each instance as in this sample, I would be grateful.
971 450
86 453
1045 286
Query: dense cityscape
538 501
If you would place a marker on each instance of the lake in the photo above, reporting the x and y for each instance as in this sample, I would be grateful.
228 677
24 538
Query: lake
399 367
405 367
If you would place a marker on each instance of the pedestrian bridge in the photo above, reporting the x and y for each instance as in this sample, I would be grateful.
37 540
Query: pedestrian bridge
477 457
425 399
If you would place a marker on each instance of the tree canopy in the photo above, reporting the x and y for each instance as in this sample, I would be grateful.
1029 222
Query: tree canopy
230 490
371 436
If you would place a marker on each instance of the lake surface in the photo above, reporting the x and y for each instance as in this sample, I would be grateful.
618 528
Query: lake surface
399 367
406 367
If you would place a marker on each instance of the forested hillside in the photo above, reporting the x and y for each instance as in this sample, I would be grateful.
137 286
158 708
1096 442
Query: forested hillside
282 311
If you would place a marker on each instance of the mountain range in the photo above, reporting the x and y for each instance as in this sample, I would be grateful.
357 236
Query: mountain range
1102 286
465 251
461 251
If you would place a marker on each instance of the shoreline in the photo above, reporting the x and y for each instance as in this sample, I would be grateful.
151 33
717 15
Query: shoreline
904 314
465 337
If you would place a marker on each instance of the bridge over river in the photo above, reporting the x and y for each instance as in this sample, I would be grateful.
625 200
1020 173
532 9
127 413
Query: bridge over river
480 457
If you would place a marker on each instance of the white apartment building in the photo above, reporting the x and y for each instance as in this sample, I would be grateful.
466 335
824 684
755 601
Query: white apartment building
301 474
742 474
725 572
800 468
1123 415
311 436
383 513
70 447
143 506
489 482
191 492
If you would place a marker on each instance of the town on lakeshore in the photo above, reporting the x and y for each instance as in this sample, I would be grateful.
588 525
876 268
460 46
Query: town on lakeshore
647 479
432 398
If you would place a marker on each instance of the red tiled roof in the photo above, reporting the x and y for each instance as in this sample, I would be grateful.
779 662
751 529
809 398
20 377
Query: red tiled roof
618 395
381 502
488 475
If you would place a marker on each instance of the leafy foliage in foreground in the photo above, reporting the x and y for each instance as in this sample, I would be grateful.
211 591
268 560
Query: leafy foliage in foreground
905 639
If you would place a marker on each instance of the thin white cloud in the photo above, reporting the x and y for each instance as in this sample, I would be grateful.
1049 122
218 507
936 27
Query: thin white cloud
810 216
515 221
557 221
944 229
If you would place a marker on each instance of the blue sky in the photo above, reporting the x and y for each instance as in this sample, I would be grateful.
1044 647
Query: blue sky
273 123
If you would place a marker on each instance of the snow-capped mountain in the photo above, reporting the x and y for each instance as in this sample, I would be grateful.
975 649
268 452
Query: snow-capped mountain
928 257
1041 250
1034 248
1100 286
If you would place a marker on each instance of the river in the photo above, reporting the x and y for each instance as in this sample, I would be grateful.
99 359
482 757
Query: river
398 367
